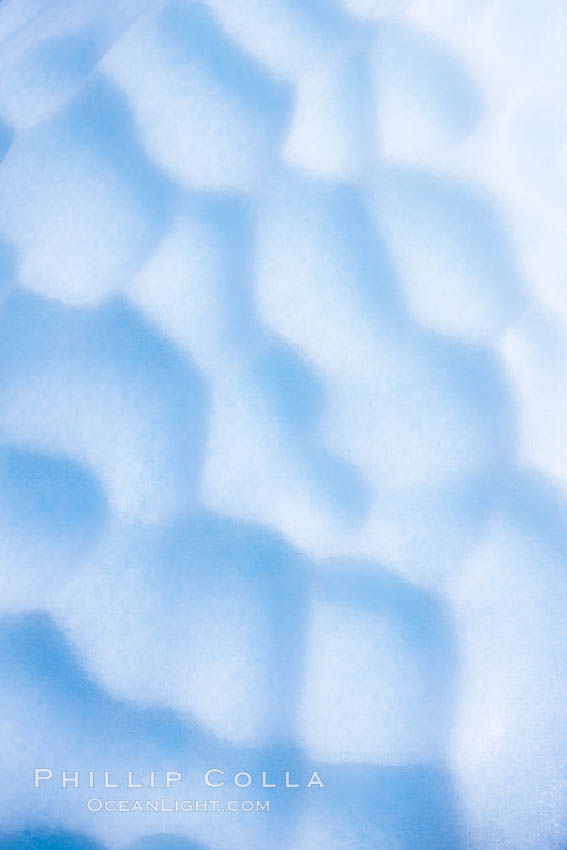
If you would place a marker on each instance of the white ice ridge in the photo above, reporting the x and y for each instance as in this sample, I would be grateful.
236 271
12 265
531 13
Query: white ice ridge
283 333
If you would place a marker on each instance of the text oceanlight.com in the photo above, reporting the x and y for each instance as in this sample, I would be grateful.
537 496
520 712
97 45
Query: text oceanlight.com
161 805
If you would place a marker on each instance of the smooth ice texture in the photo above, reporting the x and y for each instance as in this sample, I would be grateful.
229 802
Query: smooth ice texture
326 136
469 286
371 690
213 572
282 421
511 719
229 112
425 102
376 9
108 394
78 230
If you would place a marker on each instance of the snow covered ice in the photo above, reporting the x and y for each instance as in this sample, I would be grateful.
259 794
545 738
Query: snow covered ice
283 478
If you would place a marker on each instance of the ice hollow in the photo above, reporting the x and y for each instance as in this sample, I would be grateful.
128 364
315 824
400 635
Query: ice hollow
76 227
219 652
230 113
65 392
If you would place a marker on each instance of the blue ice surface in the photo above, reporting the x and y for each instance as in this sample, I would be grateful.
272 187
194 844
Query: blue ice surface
292 444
